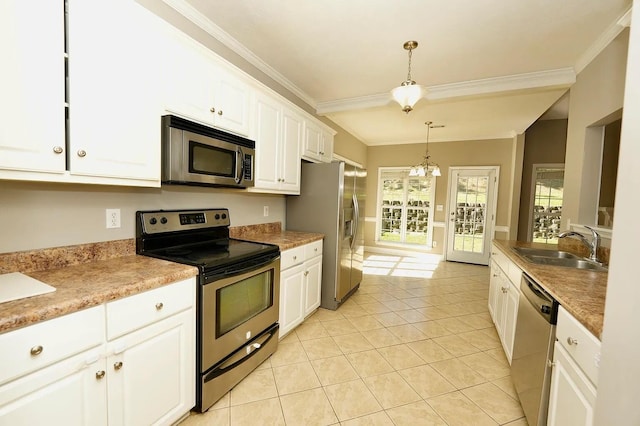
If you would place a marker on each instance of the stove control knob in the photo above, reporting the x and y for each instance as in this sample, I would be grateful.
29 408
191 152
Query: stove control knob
217 216
224 215
153 221
163 220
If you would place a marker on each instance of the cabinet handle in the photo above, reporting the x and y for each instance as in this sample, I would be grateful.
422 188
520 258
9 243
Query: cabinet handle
571 341
57 149
159 306
36 350
315 249
295 257
117 365
100 374
496 275
550 363
504 289
306 273
212 109
82 153
219 112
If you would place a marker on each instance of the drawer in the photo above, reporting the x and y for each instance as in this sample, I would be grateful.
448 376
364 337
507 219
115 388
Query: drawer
134 312
291 257
500 258
312 250
36 346
581 345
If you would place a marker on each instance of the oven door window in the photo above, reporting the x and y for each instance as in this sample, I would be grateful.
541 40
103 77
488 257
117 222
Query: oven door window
211 160
243 300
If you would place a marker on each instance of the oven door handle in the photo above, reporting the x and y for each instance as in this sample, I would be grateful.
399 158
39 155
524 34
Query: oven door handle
226 272
242 355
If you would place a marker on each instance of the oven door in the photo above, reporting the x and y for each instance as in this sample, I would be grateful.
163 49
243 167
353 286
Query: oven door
237 308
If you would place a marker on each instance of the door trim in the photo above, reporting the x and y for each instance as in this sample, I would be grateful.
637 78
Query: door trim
490 235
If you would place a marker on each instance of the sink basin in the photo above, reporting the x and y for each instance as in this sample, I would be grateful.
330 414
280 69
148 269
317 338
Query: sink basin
567 262
556 254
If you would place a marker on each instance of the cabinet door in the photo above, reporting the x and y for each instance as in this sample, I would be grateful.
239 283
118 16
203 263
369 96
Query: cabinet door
292 127
313 283
71 392
326 151
231 100
494 290
291 298
115 75
151 376
572 396
511 298
32 85
312 141
267 134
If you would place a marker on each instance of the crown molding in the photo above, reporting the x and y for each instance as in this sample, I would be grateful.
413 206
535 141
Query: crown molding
612 31
563 77
200 20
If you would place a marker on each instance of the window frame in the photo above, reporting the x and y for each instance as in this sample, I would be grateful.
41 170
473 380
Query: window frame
532 198
403 172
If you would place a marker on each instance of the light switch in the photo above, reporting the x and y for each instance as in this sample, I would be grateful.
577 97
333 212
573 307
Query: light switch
439 207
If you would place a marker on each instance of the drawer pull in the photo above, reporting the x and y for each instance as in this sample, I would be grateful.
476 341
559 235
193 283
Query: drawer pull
100 374
36 350
571 341
117 365
159 306
295 257
212 109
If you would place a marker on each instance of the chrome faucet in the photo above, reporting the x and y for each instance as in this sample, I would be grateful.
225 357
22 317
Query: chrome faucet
592 245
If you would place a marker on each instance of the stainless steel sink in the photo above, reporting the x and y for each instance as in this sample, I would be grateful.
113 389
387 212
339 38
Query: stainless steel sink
557 258
526 251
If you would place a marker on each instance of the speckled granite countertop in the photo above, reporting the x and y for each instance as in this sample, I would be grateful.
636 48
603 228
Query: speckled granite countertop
581 292
272 233
84 276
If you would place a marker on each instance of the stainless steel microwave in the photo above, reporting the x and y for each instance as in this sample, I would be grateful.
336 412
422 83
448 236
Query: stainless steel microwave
194 154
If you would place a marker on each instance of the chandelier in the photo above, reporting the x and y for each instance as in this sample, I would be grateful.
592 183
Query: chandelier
426 166
408 93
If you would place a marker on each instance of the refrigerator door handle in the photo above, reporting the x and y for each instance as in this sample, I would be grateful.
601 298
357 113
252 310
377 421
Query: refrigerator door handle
356 221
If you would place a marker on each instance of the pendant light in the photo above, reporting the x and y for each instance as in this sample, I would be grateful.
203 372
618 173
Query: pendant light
426 167
408 93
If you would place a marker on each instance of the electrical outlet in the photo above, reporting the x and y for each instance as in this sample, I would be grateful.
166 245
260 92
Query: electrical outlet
434 244
265 211
113 218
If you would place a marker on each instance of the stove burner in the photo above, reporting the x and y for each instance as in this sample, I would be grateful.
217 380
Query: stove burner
177 251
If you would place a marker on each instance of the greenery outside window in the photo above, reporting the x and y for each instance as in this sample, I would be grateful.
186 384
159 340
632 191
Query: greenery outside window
405 207
546 212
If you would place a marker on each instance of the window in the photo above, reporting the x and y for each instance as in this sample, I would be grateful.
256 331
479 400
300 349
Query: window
548 185
405 207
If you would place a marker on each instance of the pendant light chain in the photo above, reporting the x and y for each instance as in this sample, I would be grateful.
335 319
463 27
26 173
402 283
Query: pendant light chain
409 69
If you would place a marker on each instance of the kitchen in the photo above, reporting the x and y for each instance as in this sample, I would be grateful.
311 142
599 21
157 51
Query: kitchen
51 215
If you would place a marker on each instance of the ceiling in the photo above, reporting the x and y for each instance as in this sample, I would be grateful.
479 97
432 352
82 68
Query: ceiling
492 67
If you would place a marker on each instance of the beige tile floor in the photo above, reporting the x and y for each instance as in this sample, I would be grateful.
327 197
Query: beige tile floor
413 346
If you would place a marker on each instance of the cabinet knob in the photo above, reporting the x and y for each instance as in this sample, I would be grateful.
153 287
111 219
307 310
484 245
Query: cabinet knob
36 350
117 365
82 153
212 109
571 341
306 273
57 149
504 289
100 374
219 112
159 306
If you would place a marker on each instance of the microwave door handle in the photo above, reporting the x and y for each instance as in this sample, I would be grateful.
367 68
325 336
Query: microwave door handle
239 165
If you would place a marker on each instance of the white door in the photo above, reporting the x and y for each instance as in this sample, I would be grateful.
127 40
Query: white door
471 212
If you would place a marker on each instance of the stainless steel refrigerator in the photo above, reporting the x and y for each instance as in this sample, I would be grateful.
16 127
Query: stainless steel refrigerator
331 202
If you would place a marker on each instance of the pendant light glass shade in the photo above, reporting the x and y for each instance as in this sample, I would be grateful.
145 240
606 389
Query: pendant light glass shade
408 93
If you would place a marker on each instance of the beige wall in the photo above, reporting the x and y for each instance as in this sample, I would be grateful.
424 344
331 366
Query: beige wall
39 215
595 100
544 143
498 152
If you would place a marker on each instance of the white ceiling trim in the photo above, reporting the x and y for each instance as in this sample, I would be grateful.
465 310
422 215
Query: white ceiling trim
192 14
562 77
603 41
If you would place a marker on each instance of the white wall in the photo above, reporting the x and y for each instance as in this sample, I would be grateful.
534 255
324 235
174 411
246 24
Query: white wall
40 215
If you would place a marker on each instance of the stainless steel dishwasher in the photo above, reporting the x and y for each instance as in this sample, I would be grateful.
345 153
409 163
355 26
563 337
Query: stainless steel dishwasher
533 350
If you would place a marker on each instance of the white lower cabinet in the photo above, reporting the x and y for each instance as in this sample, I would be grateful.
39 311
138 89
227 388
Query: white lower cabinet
504 295
300 284
575 373
146 376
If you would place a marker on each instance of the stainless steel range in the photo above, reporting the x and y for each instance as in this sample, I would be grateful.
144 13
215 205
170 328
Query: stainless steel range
237 298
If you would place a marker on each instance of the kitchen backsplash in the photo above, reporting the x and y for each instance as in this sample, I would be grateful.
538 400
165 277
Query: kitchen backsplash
575 246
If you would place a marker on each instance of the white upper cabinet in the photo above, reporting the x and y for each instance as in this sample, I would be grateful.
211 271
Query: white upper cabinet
32 86
201 89
318 143
278 134
114 103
